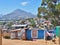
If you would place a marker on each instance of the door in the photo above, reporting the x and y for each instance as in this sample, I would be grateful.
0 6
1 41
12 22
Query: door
40 34
28 34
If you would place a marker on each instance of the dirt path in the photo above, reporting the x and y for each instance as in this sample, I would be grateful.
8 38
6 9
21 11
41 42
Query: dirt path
22 42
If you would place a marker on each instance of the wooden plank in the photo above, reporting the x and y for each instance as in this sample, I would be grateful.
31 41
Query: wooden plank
0 36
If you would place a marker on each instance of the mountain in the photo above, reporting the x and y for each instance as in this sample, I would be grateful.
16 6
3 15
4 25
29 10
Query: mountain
17 14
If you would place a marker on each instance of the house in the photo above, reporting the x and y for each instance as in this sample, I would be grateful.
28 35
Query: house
18 31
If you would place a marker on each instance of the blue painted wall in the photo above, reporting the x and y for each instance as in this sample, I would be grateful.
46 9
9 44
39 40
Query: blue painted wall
28 34
40 34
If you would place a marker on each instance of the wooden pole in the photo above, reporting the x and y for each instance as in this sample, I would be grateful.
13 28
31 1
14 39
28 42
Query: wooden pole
0 36
59 40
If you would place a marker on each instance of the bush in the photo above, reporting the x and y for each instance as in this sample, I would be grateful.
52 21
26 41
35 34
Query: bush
7 37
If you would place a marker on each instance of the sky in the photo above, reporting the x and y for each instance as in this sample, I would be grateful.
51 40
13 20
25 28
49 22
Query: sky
8 6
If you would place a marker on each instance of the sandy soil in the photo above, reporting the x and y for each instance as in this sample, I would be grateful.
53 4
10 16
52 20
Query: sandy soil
22 42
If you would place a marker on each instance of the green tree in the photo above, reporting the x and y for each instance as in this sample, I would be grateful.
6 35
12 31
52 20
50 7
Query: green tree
50 9
33 24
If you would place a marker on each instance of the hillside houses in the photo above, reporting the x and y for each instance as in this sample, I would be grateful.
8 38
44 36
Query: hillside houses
42 22
39 22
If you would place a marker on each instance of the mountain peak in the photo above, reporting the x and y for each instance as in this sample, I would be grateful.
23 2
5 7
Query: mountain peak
18 10
17 14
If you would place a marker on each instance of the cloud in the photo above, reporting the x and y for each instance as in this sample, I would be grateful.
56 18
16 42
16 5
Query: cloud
24 3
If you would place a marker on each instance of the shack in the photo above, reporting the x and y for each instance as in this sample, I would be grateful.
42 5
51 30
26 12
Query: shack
35 34
18 31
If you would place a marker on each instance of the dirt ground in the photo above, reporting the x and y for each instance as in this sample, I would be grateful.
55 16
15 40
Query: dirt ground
23 42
